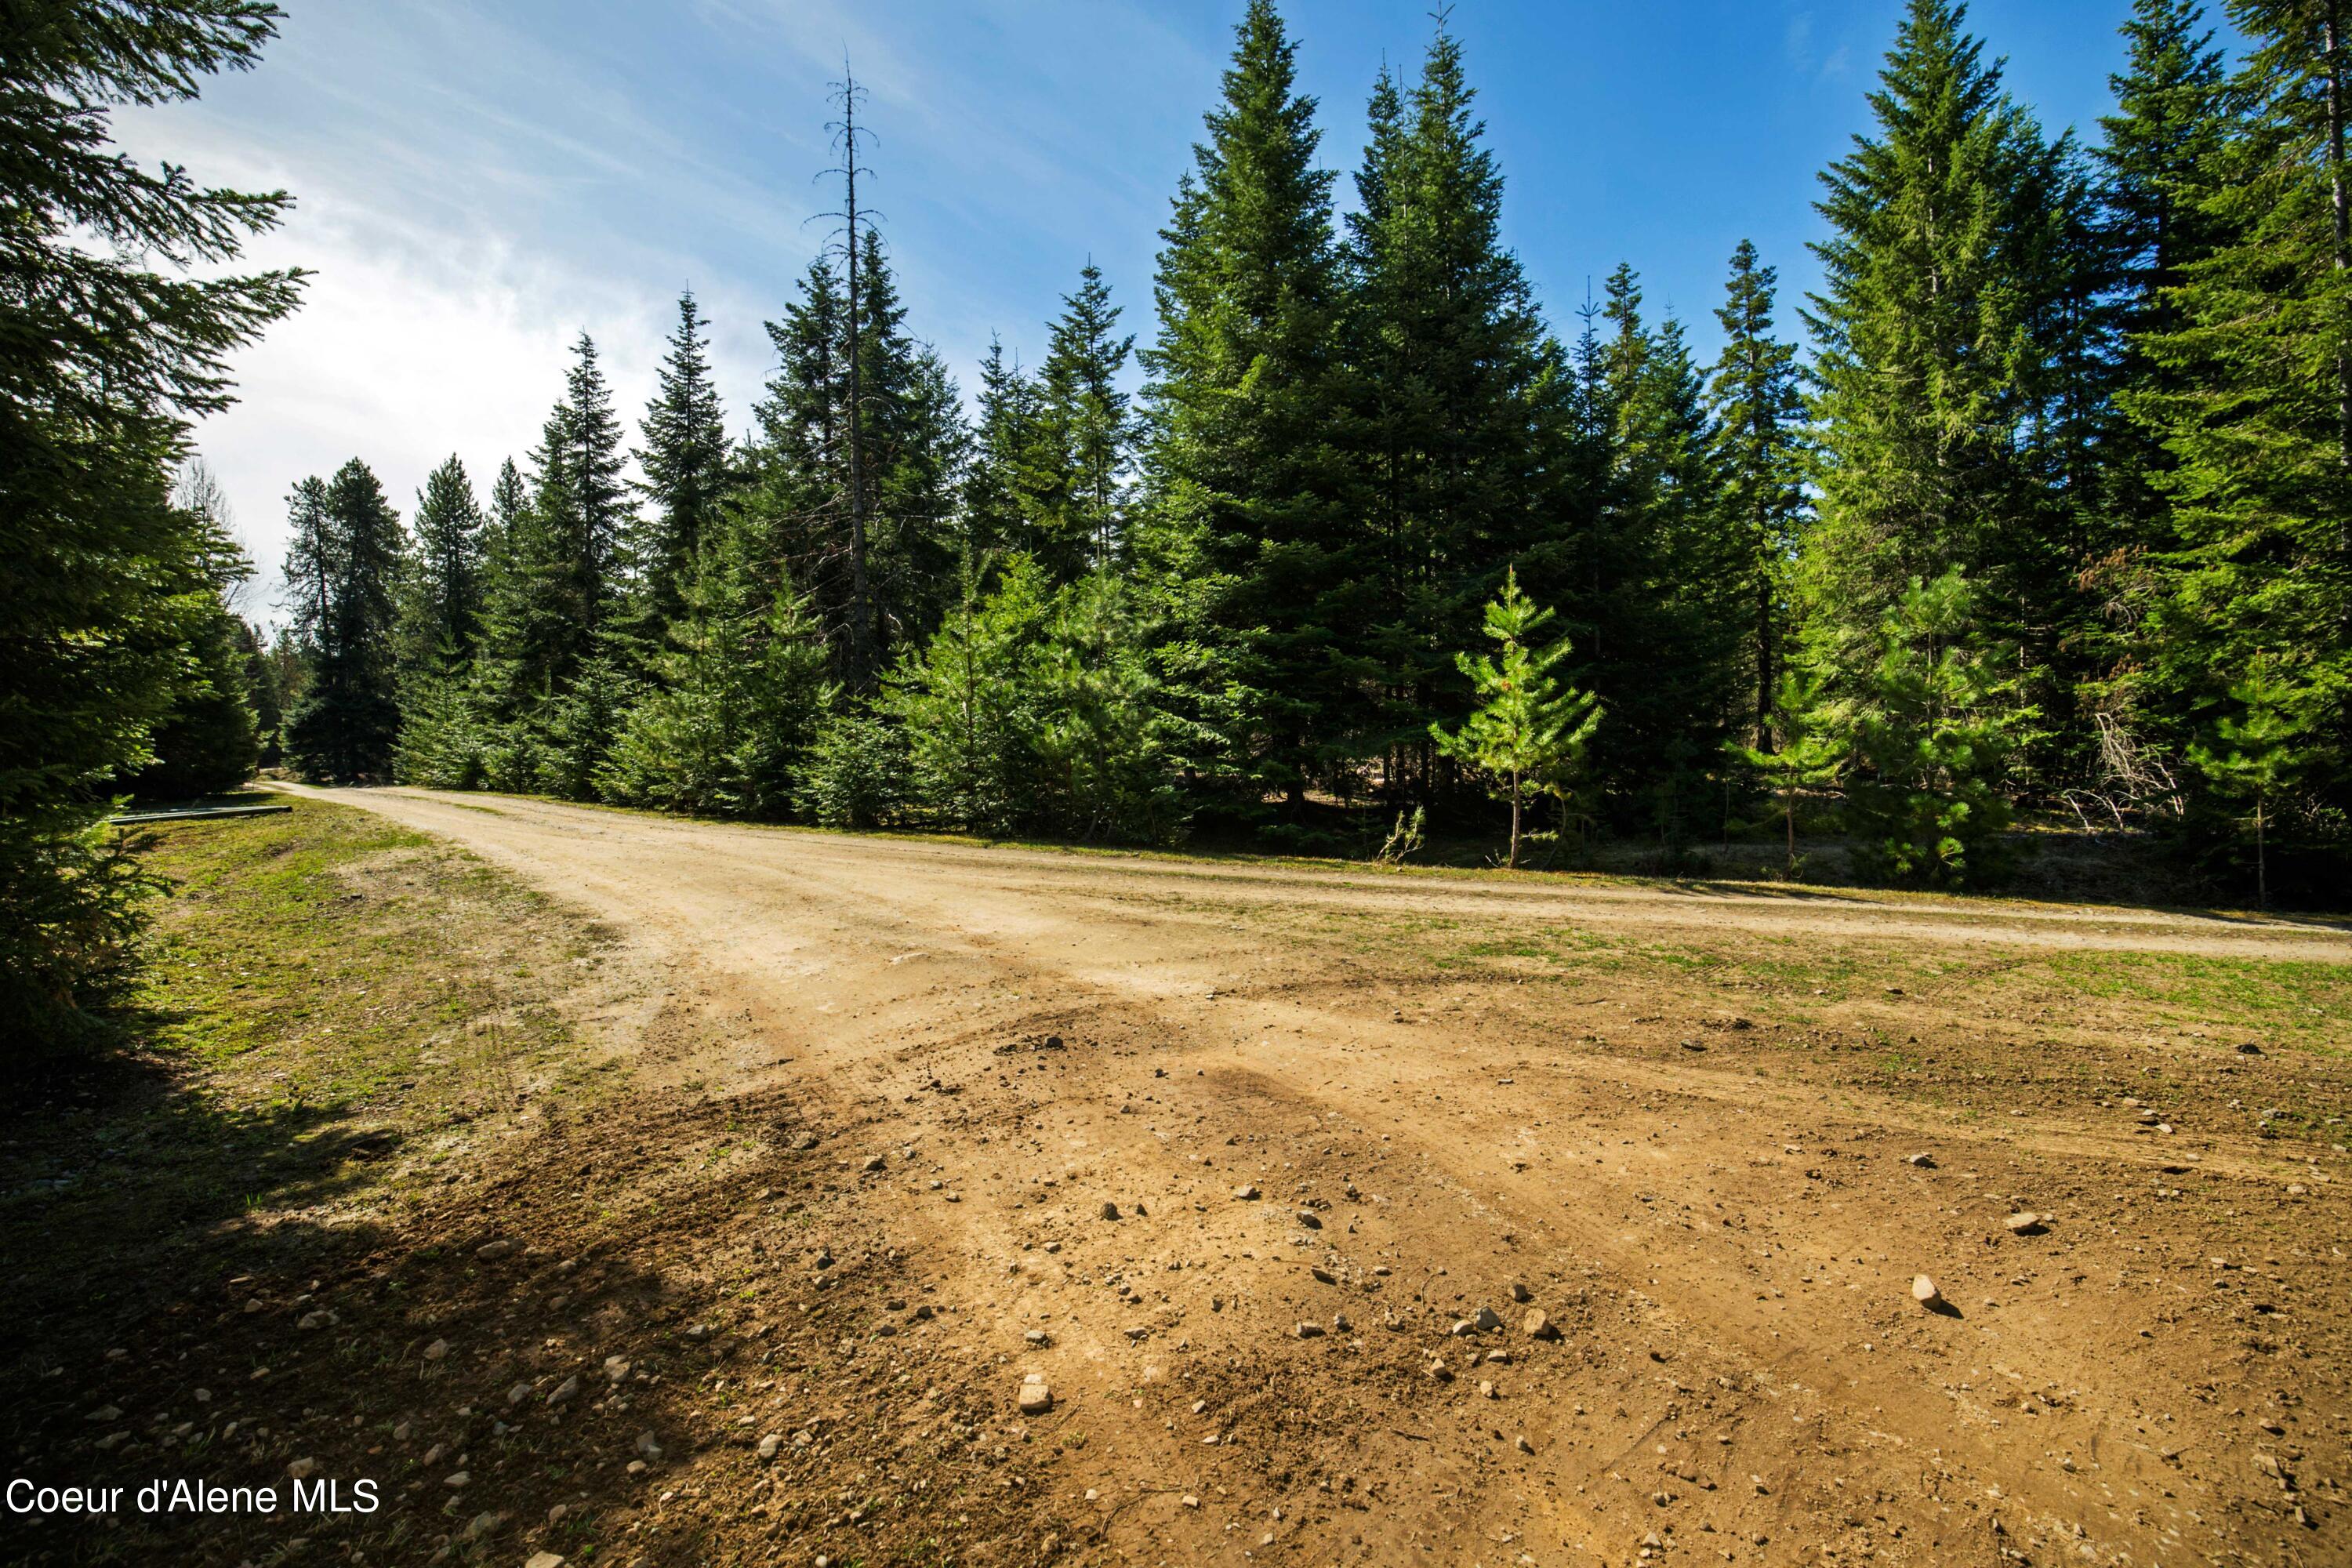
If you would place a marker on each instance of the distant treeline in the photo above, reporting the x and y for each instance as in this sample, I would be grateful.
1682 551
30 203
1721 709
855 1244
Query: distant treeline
2049 511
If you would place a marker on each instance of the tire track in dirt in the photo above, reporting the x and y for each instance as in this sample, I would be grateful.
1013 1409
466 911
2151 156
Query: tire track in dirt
1727 1257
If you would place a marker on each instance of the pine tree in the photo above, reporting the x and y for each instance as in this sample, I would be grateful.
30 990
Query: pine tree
580 497
1450 348
509 500
556 576
1759 410
737 694
878 571
1797 752
687 461
1525 731
1664 596
444 611
263 694
506 674
1084 415
1003 481
2252 394
970 705
2253 756
1251 530
2159 154
1927 731
209 742
1951 349
350 714
120 311
312 559
1103 735
911 416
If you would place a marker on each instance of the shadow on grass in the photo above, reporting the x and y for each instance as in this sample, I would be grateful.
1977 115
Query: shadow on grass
123 1188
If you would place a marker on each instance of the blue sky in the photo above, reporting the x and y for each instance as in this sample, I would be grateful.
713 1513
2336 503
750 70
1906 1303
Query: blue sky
477 182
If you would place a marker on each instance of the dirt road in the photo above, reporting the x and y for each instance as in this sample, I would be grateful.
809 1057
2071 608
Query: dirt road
1459 1220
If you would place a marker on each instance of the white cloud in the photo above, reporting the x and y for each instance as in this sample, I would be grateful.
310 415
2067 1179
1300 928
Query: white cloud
472 193
400 362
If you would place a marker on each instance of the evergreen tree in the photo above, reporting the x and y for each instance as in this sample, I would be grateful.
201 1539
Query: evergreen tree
854 775
2252 393
1927 731
874 543
736 697
1798 749
120 309
582 499
1251 529
314 561
1003 480
509 500
1103 736
444 608
261 688
2159 154
1086 416
1527 731
970 706
573 733
209 742
1758 410
1951 349
912 419
1452 366
687 461
1664 598
348 719
2251 757
554 570
446 601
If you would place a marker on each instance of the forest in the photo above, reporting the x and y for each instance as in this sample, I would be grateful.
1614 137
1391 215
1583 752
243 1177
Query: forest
2038 512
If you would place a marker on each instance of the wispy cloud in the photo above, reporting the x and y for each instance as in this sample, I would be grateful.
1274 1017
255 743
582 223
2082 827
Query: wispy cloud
1804 54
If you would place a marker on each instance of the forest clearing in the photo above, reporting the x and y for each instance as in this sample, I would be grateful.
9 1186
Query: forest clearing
685 1192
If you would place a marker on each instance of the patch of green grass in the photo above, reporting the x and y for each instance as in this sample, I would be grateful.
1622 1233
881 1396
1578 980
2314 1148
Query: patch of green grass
2284 1001
326 993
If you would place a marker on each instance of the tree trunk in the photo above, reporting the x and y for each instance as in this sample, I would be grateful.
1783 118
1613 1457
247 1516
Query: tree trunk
862 660
1514 862
1788 809
2261 861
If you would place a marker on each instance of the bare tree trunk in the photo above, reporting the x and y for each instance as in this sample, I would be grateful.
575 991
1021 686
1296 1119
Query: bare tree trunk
861 591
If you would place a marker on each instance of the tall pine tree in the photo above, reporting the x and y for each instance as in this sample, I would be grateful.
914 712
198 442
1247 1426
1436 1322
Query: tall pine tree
1452 368
1251 529
2251 392
1084 415
687 462
350 714
444 611
119 313
1952 365
1758 406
